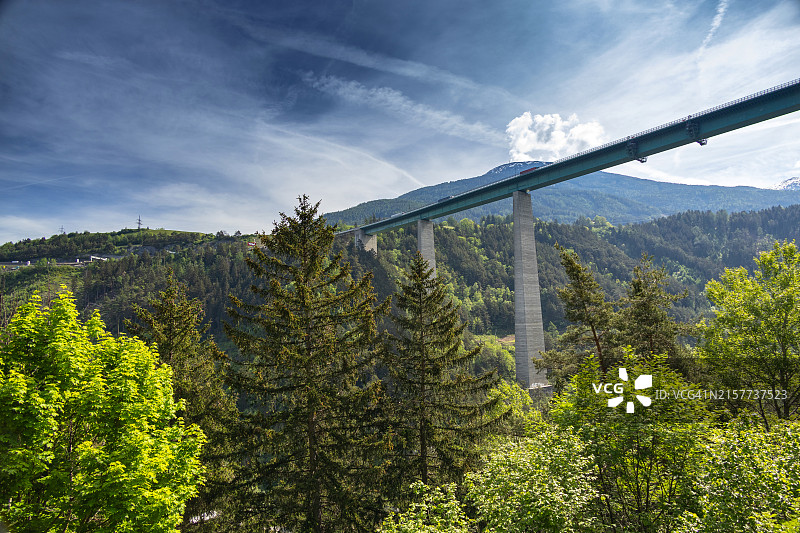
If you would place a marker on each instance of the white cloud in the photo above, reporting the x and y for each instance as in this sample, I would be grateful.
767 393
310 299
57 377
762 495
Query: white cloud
550 137
324 47
722 7
396 103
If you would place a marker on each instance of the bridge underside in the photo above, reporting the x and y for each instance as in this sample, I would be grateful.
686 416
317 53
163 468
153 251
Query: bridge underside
528 323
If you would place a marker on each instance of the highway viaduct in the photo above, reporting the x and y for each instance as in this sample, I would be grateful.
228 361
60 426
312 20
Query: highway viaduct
696 128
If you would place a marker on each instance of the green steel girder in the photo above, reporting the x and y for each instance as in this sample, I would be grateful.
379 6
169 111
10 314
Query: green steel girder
752 109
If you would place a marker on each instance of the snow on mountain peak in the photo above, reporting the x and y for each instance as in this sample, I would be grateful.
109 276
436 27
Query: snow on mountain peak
790 184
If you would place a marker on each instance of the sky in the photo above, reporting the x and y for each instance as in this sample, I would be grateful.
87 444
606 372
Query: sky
208 115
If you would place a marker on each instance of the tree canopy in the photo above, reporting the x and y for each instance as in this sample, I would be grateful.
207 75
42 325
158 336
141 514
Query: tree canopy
89 439
303 374
753 340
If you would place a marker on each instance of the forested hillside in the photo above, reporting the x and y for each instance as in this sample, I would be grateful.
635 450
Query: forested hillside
336 411
69 247
475 260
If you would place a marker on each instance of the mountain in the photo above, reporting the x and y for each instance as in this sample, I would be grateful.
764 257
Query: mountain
620 199
790 184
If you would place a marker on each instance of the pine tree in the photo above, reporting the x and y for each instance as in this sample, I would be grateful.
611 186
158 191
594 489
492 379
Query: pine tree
175 327
306 352
439 411
585 305
644 323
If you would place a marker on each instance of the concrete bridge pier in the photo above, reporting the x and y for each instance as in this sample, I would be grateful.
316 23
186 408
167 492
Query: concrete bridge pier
368 242
425 242
529 327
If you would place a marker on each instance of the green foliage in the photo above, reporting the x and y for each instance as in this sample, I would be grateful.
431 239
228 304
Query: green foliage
476 263
174 327
585 305
753 340
643 462
516 412
89 440
749 480
438 512
69 246
540 483
438 409
643 321
494 355
640 321
310 436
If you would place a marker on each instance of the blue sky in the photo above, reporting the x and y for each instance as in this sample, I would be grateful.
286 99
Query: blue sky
209 114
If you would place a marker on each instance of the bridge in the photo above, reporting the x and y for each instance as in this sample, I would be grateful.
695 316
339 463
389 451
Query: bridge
695 128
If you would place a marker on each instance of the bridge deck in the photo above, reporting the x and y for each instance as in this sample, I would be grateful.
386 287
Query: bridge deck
730 116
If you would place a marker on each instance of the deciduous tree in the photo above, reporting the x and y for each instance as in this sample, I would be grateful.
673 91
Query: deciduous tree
643 461
753 340
89 440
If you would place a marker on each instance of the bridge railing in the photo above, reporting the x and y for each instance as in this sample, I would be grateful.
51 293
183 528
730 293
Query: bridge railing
660 127
681 120
502 183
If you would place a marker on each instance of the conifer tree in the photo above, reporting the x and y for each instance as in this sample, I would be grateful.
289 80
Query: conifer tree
307 347
585 305
644 322
641 320
439 411
175 327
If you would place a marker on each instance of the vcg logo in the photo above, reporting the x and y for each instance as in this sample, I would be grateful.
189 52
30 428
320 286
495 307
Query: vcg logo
645 381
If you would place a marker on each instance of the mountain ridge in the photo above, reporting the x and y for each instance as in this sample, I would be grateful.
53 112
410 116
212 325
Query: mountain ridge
619 198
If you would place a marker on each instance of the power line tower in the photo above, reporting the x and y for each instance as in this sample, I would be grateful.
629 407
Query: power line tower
139 222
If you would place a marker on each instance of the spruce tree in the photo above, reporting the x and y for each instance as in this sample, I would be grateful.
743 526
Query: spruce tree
307 347
439 411
174 326
644 322
585 305
641 320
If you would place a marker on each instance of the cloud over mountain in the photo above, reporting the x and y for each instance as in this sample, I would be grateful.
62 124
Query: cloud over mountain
550 137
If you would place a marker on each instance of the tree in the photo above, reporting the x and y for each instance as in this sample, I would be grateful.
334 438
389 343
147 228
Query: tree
438 511
303 374
641 320
585 305
592 329
89 439
438 410
643 461
753 340
644 322
541 483
748 480
174 327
